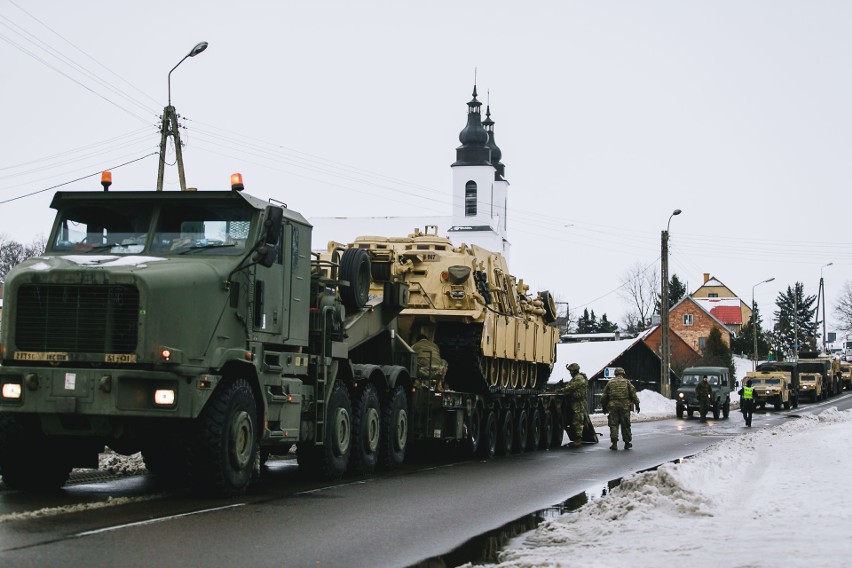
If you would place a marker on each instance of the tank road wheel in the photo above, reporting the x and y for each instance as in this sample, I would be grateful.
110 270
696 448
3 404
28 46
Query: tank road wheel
493 372
558 429
366 430
394 430
533 375
546 430
505 434
28 460
534 430
523 368
329 461
355 271
488 445
513 374
225 452
519 443
504 372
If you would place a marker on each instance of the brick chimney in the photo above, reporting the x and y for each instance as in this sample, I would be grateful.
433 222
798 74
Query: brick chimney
706 277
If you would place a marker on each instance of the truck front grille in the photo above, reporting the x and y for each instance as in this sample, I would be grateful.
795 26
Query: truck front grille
77 318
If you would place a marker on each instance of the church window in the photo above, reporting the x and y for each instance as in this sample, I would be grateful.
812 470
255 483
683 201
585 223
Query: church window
470 199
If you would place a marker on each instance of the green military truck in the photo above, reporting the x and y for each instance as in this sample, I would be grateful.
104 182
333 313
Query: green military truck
199 329
721 385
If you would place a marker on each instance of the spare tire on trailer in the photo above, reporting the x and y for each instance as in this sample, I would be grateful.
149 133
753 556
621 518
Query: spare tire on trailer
355 278
549 306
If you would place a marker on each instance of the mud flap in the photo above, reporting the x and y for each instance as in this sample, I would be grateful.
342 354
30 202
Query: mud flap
589 434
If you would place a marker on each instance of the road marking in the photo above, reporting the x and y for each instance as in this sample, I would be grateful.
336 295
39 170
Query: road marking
336 486
157 520
65 509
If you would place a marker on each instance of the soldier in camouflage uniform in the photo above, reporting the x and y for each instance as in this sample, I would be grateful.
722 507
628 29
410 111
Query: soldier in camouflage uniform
703 391
430 366
577 391
619 397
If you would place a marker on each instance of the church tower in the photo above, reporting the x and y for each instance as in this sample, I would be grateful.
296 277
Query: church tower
480 190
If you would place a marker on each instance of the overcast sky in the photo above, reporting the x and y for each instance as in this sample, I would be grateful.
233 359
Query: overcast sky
609 115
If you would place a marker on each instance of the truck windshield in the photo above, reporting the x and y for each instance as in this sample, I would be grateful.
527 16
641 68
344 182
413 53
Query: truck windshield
773 381
120 228
214 228
690 380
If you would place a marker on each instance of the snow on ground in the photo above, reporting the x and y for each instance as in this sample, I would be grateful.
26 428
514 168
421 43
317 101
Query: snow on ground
652 406
770 497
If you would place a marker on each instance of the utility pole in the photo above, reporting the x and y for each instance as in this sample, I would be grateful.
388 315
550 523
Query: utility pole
821 296
169 127
754 319
665 348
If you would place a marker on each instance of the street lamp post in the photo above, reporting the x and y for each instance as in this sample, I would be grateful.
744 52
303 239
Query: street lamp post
822 296
754 320
665 353
169 127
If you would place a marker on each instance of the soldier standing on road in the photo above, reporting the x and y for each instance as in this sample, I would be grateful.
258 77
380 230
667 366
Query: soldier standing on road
703 392
577 391
747 401
619 397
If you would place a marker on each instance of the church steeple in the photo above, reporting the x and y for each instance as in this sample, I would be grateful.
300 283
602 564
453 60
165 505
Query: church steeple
496 153
474 149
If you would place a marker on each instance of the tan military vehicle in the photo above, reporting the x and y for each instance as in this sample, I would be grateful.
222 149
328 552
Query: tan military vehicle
491 332
811 387
846 375
770 387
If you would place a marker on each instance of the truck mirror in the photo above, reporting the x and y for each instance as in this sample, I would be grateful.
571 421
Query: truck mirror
272 224
265 255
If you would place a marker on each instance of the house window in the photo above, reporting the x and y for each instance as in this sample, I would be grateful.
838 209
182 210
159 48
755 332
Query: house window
712 295
702 343
470 199
687 319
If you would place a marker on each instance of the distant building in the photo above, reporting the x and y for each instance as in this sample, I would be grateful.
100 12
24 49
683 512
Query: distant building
721 301
480 197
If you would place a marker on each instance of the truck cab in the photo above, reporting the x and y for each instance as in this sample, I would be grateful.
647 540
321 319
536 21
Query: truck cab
721 385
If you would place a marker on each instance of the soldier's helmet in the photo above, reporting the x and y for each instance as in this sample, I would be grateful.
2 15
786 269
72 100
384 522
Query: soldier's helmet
619 372
573 367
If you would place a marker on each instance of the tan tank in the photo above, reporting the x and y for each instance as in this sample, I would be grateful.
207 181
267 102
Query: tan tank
492 335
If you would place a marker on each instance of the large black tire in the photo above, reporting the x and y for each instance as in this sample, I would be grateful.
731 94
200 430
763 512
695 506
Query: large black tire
534 431
355 272
679 411
488 446
519 442
394 439
28 460
549 306
726 408
474 431
366 430
225 453
506 432
546 430
330 460
787 405
716 411
558 431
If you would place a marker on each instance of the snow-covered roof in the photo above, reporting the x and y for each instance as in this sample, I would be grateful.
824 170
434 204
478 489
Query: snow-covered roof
726 310
592 356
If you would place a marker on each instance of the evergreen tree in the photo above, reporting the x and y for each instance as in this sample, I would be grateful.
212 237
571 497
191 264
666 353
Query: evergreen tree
716 353
795 317
677 291
606 326
586 323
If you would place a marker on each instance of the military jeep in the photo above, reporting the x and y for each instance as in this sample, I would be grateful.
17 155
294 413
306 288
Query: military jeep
772 387
810 386
721 385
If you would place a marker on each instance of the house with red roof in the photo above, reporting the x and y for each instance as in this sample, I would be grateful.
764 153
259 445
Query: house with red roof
722 303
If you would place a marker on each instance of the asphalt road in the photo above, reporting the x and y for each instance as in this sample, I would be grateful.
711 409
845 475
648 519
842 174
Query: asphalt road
395 519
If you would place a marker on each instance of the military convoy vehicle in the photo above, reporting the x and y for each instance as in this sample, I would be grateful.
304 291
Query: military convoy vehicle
721 385
200 329
791 368
813 362
846 375
810 386
496 342
771 387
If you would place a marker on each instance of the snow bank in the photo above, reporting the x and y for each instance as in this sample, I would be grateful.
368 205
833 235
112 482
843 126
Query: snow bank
772 497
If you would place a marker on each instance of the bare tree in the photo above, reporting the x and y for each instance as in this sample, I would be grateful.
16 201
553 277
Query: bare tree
639 286
843 308
13 253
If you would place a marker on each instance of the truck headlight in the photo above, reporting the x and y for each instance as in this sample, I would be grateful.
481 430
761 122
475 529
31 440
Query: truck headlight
164 397
12 391
680 395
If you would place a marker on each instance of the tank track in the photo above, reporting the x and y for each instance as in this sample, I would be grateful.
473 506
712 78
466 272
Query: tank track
468 370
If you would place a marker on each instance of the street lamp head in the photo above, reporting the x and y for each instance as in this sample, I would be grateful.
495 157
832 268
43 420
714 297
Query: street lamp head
770 280
199 47
676 212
